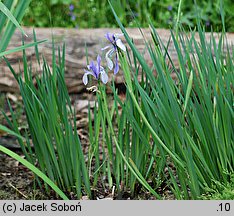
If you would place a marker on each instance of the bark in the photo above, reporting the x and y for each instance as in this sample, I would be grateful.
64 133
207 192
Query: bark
76 41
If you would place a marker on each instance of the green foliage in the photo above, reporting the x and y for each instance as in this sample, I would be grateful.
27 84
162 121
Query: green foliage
96 14
174 132
220 191
7 27
52 126
183 126
54 2
14 13
10 16
5 11
39 12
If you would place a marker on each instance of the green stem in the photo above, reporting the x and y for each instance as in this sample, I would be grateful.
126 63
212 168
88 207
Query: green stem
135 172
178 19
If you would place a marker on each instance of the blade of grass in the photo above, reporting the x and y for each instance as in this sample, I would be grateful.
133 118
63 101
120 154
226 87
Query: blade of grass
9 15
35 170
20 48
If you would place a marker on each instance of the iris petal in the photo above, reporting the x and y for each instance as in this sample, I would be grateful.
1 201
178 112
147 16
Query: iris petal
85 79
104 77
118 35
120 45
109 63
98 65
108 60
99 60
106 47
94 69
85 76
109 37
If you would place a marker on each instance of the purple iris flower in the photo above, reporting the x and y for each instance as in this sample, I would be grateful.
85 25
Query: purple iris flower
207 23
113 49
95 71
169 8
73 17
71 7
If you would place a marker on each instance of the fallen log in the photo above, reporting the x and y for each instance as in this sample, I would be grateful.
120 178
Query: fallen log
76 41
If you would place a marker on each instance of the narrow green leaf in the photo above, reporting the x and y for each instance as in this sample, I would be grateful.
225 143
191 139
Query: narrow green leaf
6 11
20 48
35 170
188 91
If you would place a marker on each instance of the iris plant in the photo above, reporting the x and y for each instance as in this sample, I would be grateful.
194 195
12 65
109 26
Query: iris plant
113 49
95 71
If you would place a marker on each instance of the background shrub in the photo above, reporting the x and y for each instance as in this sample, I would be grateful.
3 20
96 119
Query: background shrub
96 14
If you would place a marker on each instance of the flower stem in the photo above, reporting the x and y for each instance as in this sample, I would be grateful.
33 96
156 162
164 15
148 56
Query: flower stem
178 20
134 170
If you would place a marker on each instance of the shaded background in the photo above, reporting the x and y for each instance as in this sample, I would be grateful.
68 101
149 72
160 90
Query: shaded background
97 13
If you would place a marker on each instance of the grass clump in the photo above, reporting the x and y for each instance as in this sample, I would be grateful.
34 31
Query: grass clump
184 126
51 126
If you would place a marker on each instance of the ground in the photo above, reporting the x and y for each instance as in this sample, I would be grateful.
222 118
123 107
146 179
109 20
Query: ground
17 182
